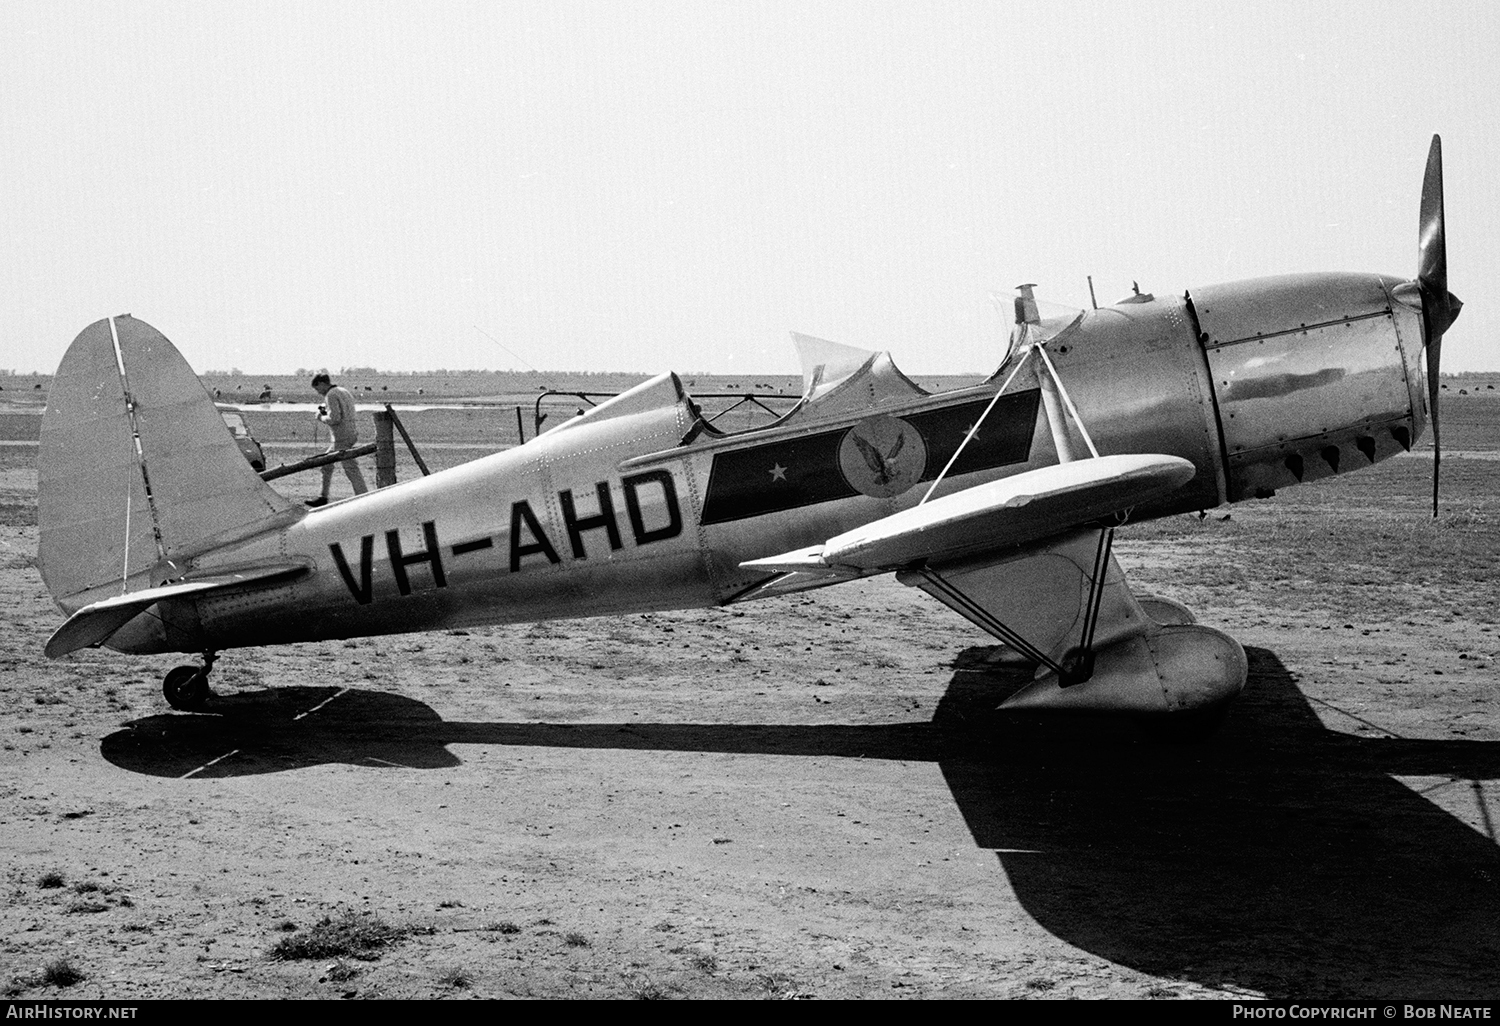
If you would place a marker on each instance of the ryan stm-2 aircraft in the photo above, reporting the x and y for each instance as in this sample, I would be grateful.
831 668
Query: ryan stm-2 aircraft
999 500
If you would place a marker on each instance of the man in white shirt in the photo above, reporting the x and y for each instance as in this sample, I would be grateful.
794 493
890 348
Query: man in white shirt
337 412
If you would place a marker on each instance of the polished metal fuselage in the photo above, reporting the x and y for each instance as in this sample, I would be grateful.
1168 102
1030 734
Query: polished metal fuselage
636 507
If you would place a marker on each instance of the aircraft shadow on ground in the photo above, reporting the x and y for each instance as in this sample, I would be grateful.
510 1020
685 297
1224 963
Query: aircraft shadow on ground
1279 856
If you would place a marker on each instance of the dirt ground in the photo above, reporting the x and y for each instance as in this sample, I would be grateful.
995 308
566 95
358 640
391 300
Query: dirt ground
806 797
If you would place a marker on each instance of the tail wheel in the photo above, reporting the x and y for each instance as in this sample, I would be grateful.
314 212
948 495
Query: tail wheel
186 688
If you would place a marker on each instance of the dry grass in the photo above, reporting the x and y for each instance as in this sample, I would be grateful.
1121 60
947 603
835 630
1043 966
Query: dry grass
458 979
644 988
358 935
779 987
61 973
342 972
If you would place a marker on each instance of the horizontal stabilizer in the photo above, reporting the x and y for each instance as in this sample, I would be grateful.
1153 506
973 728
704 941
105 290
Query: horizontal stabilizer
809 560
93 624
993 517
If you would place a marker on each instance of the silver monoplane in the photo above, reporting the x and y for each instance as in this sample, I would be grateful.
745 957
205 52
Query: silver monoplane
999 501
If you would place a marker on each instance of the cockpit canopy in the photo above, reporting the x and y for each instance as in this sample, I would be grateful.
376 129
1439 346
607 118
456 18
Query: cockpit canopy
838 380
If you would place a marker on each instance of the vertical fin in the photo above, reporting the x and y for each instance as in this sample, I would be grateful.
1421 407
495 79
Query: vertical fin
90 496
135 463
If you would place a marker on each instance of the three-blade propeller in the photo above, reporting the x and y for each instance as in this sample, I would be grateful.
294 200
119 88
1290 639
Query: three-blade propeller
1439 306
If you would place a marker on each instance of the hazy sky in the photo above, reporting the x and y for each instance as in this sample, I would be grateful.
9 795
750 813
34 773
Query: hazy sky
653 186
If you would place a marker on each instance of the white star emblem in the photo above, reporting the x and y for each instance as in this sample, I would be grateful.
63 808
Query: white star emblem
778 473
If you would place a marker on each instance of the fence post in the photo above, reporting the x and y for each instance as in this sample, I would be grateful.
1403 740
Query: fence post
385 450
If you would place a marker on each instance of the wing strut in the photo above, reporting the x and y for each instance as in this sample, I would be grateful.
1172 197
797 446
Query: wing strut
1096 586
1067 600
973 430
977 613
1028 343
1077 663
1059 431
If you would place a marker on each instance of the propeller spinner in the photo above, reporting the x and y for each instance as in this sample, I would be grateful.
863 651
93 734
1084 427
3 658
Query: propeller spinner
1439 306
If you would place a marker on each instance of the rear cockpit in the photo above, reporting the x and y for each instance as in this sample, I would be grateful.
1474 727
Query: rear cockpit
840 383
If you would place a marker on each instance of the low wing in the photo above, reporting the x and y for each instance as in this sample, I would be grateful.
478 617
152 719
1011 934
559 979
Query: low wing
1008 514
1020 559
94 623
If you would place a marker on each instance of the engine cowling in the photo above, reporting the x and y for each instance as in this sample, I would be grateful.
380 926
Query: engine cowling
1313 374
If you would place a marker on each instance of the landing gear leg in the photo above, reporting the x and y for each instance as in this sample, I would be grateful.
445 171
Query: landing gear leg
186 687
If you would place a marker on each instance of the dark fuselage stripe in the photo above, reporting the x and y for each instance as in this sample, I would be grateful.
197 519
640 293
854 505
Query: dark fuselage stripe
805 471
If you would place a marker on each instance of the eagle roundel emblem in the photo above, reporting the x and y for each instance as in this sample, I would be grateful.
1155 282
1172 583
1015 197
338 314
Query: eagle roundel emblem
882 456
